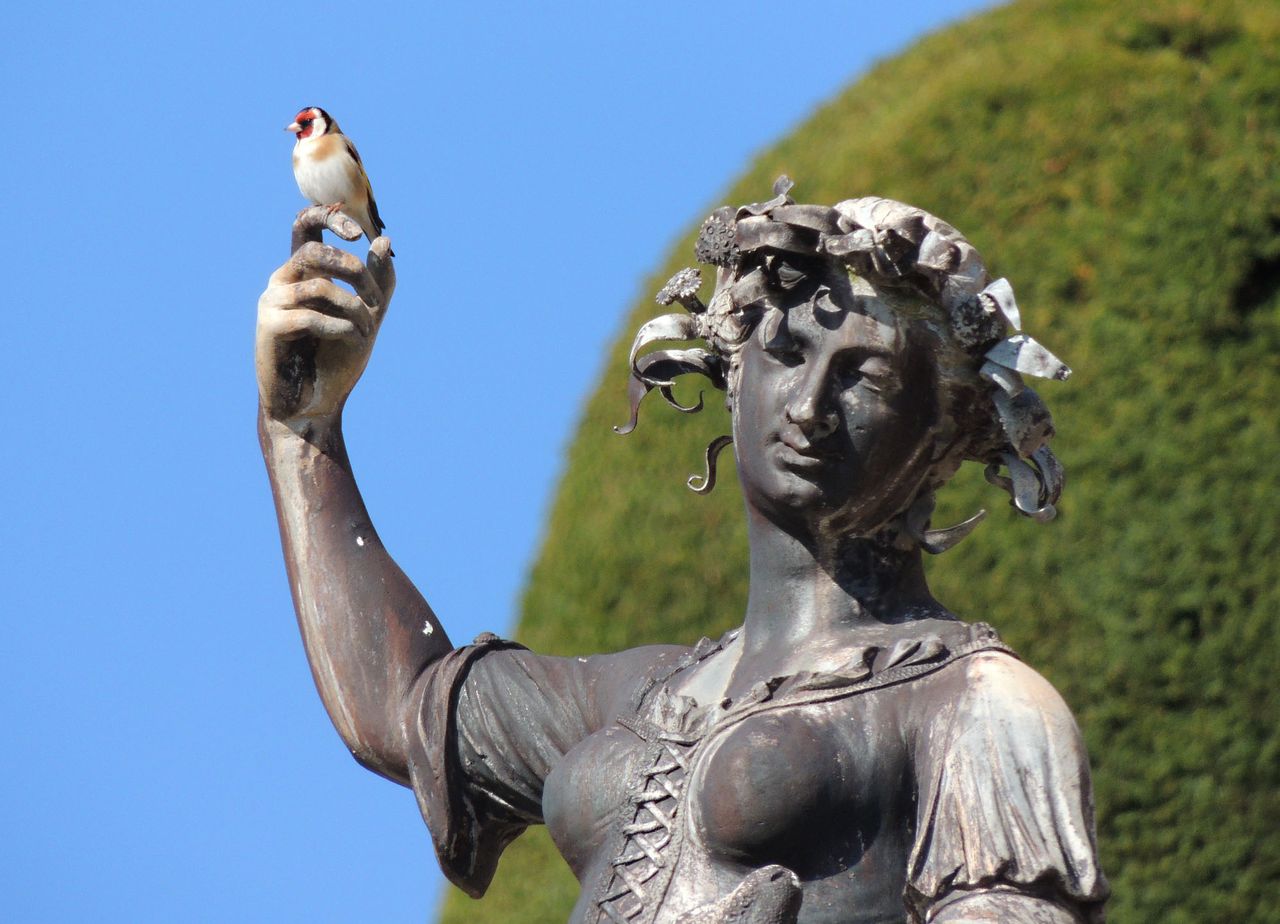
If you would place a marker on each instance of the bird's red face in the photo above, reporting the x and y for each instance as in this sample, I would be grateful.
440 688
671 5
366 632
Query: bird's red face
308 122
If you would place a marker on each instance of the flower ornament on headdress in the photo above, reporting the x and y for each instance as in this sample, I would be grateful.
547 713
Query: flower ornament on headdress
893 244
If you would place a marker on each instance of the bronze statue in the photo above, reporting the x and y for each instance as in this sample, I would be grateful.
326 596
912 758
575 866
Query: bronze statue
854 752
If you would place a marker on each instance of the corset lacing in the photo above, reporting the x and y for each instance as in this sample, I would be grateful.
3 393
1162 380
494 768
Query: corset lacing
642 869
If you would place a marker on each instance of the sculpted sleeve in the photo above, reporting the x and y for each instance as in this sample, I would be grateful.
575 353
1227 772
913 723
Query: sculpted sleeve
1005 828
487 724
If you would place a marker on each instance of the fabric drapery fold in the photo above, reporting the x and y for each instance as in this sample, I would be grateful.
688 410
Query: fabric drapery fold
1005 798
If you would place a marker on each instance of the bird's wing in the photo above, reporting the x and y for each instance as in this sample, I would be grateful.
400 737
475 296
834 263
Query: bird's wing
374 216
368 187
373 210
351 149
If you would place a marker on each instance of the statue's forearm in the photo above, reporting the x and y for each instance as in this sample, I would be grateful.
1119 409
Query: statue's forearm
367 631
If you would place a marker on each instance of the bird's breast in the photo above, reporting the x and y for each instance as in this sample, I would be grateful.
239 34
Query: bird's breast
324 178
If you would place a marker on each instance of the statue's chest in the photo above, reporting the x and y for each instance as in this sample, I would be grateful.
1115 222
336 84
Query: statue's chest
648 809
668 808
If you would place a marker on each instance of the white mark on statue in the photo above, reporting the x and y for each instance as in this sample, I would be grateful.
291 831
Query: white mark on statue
360 541
427 628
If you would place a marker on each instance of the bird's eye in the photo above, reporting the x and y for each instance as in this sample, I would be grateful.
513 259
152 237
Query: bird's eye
305 123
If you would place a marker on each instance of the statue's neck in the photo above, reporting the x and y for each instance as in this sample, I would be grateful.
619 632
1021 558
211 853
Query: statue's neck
807 592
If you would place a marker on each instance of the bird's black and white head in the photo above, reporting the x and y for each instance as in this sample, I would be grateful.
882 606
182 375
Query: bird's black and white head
312 122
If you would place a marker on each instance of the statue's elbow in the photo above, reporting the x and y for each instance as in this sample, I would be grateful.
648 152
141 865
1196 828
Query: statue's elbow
382 761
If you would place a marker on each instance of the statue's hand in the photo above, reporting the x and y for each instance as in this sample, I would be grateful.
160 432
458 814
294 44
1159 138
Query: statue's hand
314 337
770 895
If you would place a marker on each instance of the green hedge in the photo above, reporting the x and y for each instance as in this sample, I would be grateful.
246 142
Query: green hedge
1119 163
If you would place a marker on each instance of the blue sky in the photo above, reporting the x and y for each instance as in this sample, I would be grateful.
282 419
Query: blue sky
167 757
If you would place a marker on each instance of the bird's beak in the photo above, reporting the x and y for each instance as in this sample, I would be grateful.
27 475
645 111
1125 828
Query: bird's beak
293 127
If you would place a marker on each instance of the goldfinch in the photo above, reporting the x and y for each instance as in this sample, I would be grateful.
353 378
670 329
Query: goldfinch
329 171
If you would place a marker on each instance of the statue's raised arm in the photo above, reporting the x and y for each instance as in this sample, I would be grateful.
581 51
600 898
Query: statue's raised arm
367 630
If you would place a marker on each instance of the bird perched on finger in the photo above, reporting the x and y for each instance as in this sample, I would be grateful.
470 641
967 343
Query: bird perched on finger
329 171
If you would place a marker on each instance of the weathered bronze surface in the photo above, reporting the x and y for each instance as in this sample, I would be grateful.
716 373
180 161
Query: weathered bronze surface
854 752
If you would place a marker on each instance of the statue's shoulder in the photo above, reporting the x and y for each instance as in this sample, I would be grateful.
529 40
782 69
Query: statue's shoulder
993 696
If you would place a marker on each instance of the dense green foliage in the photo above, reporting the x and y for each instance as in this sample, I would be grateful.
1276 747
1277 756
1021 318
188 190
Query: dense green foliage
1118 162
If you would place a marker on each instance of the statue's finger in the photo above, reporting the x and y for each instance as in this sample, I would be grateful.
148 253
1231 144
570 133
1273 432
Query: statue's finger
314 260
306 322
323 296
312 221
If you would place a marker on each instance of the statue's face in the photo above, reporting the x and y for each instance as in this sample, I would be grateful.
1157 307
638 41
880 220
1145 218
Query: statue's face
836 413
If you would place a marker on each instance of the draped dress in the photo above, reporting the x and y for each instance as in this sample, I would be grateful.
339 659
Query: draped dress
934 771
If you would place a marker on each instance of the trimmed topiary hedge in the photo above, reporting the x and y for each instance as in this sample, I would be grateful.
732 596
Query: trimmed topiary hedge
1119 163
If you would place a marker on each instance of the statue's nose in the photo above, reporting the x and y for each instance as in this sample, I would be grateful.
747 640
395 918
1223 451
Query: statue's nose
809 412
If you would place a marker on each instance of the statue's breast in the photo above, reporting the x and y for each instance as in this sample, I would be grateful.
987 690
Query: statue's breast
814 788
583 795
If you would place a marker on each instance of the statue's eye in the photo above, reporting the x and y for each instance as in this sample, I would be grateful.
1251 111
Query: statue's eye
779 344
785 352
869 373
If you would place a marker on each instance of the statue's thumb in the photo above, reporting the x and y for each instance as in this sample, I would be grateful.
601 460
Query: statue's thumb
382 268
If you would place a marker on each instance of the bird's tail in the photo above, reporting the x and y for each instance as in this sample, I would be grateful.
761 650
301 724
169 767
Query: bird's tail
375 220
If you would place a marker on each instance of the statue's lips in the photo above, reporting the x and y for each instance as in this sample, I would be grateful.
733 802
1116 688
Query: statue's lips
801 455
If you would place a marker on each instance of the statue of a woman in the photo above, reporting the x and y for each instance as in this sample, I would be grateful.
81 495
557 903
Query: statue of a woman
854 752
